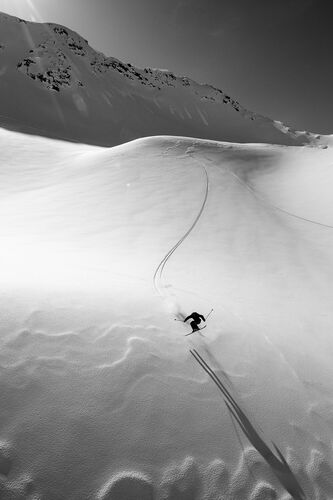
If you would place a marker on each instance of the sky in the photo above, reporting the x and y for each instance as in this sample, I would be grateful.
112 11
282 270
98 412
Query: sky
273 56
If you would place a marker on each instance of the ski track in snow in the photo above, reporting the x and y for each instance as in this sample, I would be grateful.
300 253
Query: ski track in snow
278 209
157 278
101 398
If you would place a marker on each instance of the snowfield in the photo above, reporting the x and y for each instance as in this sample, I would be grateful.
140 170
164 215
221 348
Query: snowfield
102 395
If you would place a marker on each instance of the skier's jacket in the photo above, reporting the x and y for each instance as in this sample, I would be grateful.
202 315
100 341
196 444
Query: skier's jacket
196 317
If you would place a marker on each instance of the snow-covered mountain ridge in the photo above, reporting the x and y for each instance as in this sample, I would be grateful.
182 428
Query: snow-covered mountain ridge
53 83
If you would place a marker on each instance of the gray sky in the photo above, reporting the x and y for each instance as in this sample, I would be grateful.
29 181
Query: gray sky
274 56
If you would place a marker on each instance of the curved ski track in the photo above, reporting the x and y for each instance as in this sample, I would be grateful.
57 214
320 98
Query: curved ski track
157 278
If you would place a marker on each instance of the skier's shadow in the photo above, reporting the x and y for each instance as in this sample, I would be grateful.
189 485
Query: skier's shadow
277 463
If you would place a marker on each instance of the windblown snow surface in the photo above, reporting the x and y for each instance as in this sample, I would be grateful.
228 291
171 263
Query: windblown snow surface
102 395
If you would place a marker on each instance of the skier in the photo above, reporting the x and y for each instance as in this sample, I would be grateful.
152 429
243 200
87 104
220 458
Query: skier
196 320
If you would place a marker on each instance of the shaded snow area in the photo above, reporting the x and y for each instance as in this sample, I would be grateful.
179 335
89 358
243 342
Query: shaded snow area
53 83
102 394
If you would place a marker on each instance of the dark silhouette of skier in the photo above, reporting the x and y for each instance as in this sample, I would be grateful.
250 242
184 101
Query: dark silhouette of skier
196 320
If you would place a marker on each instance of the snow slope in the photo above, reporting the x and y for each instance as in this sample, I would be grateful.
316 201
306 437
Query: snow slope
53 83
101 397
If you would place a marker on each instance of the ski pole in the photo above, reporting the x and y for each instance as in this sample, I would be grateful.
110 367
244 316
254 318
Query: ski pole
210 312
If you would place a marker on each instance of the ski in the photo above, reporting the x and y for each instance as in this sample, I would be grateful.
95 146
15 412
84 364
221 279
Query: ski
198 330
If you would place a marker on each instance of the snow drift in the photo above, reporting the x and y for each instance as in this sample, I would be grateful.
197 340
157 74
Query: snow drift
100 395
